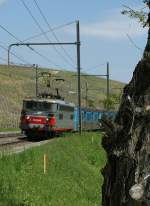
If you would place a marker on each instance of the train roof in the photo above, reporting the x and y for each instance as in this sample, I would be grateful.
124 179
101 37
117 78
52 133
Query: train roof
86 109
57 101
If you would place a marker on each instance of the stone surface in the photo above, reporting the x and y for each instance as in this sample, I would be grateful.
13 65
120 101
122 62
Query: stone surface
127 141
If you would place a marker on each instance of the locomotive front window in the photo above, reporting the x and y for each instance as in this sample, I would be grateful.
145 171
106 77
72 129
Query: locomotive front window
39 106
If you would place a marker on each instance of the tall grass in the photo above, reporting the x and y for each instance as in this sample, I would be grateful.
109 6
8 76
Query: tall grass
72 179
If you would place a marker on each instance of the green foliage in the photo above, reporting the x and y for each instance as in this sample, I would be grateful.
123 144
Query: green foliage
73 176
146 2
90 103
141 16
111 102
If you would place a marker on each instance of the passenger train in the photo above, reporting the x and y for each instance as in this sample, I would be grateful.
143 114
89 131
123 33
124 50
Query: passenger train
41 117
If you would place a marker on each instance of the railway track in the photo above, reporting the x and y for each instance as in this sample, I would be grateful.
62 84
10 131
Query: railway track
19 143
10 140
10 134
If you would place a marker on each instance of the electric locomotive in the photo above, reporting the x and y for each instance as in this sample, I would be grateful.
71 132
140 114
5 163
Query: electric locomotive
44 117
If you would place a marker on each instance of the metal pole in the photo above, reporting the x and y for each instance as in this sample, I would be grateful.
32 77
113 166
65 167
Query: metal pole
37 44
107 84
36 85
9 54
86 93
78 72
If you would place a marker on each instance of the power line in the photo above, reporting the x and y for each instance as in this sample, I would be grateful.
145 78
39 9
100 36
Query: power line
3 28
132 42
98 65
32 49
37 23
13 63
18 57
3 59
45 32
52 31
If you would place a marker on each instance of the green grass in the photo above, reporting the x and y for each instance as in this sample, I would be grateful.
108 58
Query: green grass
73 176
9 130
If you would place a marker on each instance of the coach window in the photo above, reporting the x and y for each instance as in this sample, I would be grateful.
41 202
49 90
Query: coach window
88 115
100 115
96 116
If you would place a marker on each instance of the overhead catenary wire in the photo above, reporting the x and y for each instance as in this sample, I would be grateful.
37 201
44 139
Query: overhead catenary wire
15 55
52 31
12 63
98 65
132 42
45 32
32 49
41 29
3 59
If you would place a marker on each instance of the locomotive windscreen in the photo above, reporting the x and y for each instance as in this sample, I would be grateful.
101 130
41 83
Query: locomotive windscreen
39 106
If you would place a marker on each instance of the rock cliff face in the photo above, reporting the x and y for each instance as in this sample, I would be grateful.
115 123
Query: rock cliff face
127 143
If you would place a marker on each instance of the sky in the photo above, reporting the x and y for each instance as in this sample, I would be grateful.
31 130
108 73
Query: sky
105 34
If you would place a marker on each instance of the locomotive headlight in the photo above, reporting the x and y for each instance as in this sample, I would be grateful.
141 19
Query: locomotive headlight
28 117
47 119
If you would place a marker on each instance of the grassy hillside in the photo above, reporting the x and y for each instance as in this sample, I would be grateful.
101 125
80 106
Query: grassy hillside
73 177
18 82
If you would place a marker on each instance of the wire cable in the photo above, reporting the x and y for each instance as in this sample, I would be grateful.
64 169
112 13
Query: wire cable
31 48
18 57
37 23
45 32
132 42
95 66
3 59
52 31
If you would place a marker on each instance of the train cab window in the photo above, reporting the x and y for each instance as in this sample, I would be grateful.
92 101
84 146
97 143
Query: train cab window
60 116
39 106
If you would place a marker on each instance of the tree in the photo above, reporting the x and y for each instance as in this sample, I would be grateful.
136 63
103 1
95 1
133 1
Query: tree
90 103
127 139
144 19
111 102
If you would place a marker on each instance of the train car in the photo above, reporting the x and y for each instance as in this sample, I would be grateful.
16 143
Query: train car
109 115
42 117
89 119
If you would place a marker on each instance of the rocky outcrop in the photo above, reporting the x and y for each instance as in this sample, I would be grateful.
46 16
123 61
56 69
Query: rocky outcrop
127 143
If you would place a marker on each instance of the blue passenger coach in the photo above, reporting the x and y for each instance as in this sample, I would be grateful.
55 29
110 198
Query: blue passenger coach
89 119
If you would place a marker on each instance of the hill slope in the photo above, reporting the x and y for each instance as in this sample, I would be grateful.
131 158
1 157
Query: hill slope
18 82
